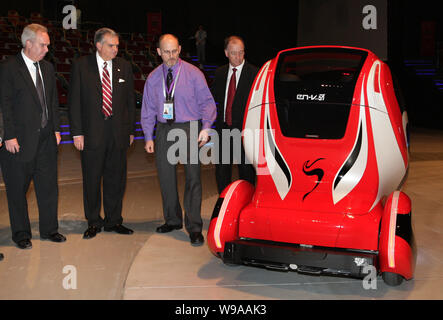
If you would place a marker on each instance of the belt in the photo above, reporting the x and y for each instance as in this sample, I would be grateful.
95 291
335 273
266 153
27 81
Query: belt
107 117
169 122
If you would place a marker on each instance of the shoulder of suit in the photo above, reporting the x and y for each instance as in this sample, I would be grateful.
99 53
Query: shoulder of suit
84 59
12 60
47 64
251 67
11 63
120 61
222 68
221 71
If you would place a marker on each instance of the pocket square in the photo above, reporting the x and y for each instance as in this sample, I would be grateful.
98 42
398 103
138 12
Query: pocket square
121 80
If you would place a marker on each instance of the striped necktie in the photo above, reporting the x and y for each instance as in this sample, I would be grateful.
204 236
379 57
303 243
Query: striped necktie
107 91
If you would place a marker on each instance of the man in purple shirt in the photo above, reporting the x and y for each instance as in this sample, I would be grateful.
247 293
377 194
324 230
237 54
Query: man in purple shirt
177 98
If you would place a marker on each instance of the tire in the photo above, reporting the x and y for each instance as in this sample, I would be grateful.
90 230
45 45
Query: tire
392 279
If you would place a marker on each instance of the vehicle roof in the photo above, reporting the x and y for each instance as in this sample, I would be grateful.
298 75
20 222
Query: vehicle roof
325 47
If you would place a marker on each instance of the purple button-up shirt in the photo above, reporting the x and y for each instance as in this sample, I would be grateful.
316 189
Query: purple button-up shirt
192 98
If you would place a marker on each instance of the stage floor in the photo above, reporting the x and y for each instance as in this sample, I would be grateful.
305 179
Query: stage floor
151 266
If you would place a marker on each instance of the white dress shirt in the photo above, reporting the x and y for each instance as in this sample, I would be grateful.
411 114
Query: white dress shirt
31 68
237 77
100 63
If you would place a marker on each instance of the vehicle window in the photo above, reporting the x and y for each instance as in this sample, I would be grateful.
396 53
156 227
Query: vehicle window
314 90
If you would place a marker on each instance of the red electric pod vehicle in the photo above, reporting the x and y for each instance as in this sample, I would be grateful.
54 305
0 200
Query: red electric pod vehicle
328 139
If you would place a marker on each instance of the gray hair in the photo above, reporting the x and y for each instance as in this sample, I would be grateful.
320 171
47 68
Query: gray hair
100 34
30 32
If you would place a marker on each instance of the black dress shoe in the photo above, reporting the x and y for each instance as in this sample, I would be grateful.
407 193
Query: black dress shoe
55 237
1 256
119 228
196 239
91 232
164 228
24 244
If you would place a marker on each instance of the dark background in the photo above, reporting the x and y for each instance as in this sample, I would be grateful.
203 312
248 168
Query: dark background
267 28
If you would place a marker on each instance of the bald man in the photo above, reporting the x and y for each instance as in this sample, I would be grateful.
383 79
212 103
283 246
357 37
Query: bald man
176 96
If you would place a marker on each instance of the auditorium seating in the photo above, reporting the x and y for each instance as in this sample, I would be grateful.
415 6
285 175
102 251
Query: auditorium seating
66 45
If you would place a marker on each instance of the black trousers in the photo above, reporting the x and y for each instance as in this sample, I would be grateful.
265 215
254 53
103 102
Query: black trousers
108 164
223 168
165 151
42 170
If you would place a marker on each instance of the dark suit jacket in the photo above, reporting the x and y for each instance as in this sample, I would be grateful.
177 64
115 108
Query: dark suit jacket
241 95
85 101
21 107
1 126
2 131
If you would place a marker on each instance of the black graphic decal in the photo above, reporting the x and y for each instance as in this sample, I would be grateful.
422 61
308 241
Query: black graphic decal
281 163
350 162
315 172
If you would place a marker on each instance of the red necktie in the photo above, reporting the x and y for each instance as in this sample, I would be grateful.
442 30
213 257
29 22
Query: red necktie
107 91
230 100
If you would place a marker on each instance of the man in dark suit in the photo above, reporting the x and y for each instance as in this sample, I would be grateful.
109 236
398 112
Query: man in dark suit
231 87
1 123
1 143
29 102
102 114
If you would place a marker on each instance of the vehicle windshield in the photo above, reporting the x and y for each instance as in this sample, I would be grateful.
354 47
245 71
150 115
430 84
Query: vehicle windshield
314 89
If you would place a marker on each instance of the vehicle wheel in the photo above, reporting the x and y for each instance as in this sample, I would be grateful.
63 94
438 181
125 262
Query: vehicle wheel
392 279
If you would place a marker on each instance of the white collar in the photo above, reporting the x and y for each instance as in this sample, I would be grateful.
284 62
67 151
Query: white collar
239 67
100 61
27 60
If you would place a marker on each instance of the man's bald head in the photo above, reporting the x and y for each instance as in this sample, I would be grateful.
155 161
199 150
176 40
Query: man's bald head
169 49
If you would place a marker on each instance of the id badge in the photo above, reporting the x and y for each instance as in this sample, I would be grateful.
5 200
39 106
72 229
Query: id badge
168 110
